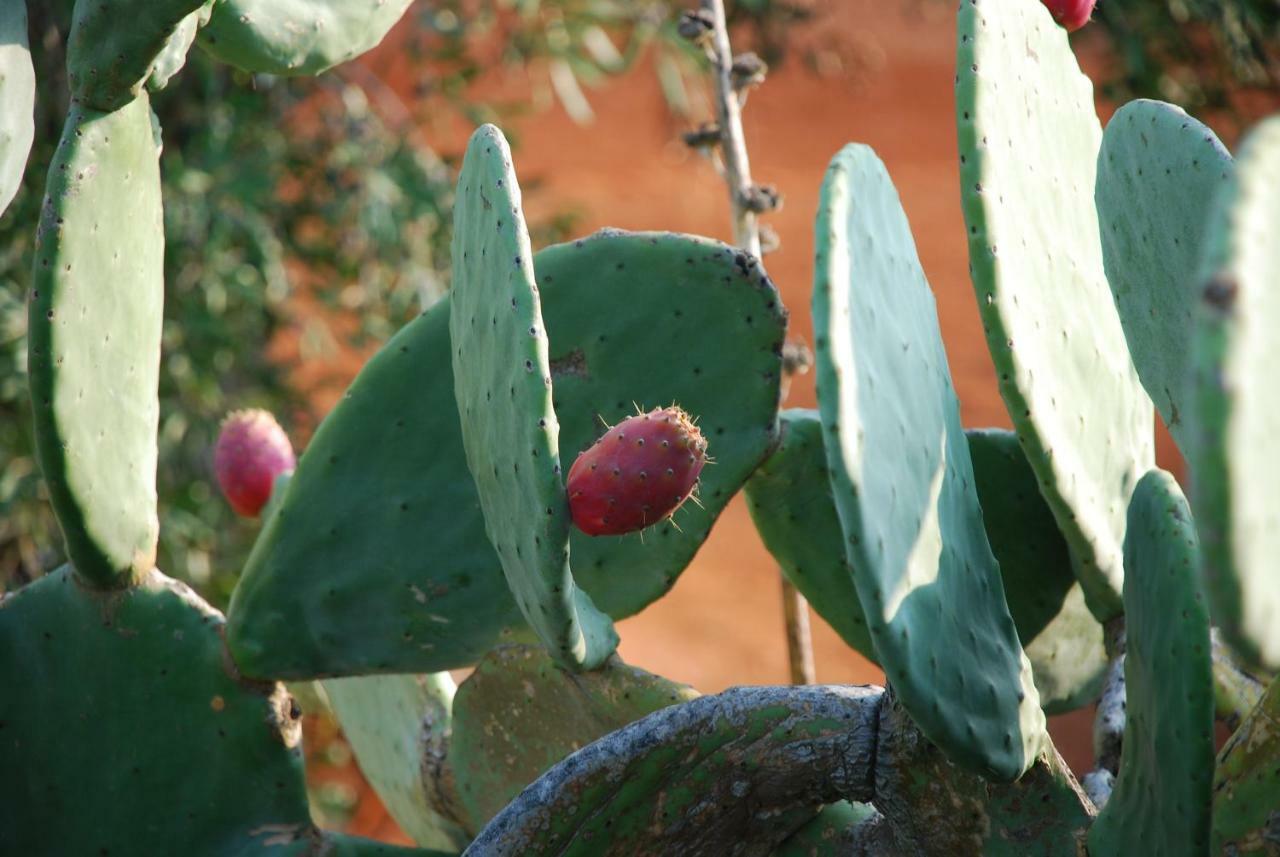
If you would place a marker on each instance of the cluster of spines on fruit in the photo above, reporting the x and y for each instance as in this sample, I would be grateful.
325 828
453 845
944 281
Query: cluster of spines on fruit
994 575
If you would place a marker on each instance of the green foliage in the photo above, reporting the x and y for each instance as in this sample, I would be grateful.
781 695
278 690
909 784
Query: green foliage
903 482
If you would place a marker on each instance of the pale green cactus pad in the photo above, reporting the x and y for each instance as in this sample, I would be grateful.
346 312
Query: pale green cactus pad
94 349
1161 800
377 560
502 383
1063 640
1158 171
1029 142
186 753
519 713
735 773
294 37
790 501
904 486
114 46
1246 819
1234 457
398 726
17 98
174 54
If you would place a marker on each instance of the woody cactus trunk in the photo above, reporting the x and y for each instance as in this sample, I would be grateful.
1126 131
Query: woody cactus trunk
994 575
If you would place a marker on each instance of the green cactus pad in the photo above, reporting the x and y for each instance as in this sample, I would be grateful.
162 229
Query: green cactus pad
733 773
1234 458
173 56
17 98
1160 804
1063 640
1029 142
377 560
519 714
1246 816
397 726
790 501
931 806
502 382
1158 171
903 482
294 37
114 44
133 732
94 349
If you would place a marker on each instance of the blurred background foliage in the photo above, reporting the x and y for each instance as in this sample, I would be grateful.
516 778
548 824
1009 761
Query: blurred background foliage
316 204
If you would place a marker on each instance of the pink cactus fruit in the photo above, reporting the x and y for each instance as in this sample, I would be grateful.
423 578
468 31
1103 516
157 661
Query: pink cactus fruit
252 450
1071 14
637 474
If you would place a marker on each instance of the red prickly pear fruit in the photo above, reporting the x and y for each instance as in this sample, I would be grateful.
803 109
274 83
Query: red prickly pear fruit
639 473
252 450
1071 14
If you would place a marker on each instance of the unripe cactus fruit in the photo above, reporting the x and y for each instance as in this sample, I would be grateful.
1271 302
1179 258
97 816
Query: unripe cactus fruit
252 450
1071 14
639 473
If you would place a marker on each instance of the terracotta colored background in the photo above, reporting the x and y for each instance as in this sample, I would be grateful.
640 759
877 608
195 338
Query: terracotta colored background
888 82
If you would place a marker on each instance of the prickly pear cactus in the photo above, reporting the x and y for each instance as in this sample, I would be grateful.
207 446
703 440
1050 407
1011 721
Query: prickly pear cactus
383 512
1062 639
903 483
790 501
107 63
1029 141
1158 172
185 750
1246 816
1234 458
1160 804
17 98
519 714
297 36
733 773
94 349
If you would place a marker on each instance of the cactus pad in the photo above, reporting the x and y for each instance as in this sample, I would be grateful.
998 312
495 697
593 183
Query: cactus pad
903 482
519 713
1234 458
1060 635
1158 171
293 37
502 383
173 56
831 833
790 501
94 350
733 773
1029 140
1160 804
1246 818
381 518
114 46
17 98
185 752
397 726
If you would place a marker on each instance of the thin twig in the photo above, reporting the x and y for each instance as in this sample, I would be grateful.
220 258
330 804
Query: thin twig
745 198
737 167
